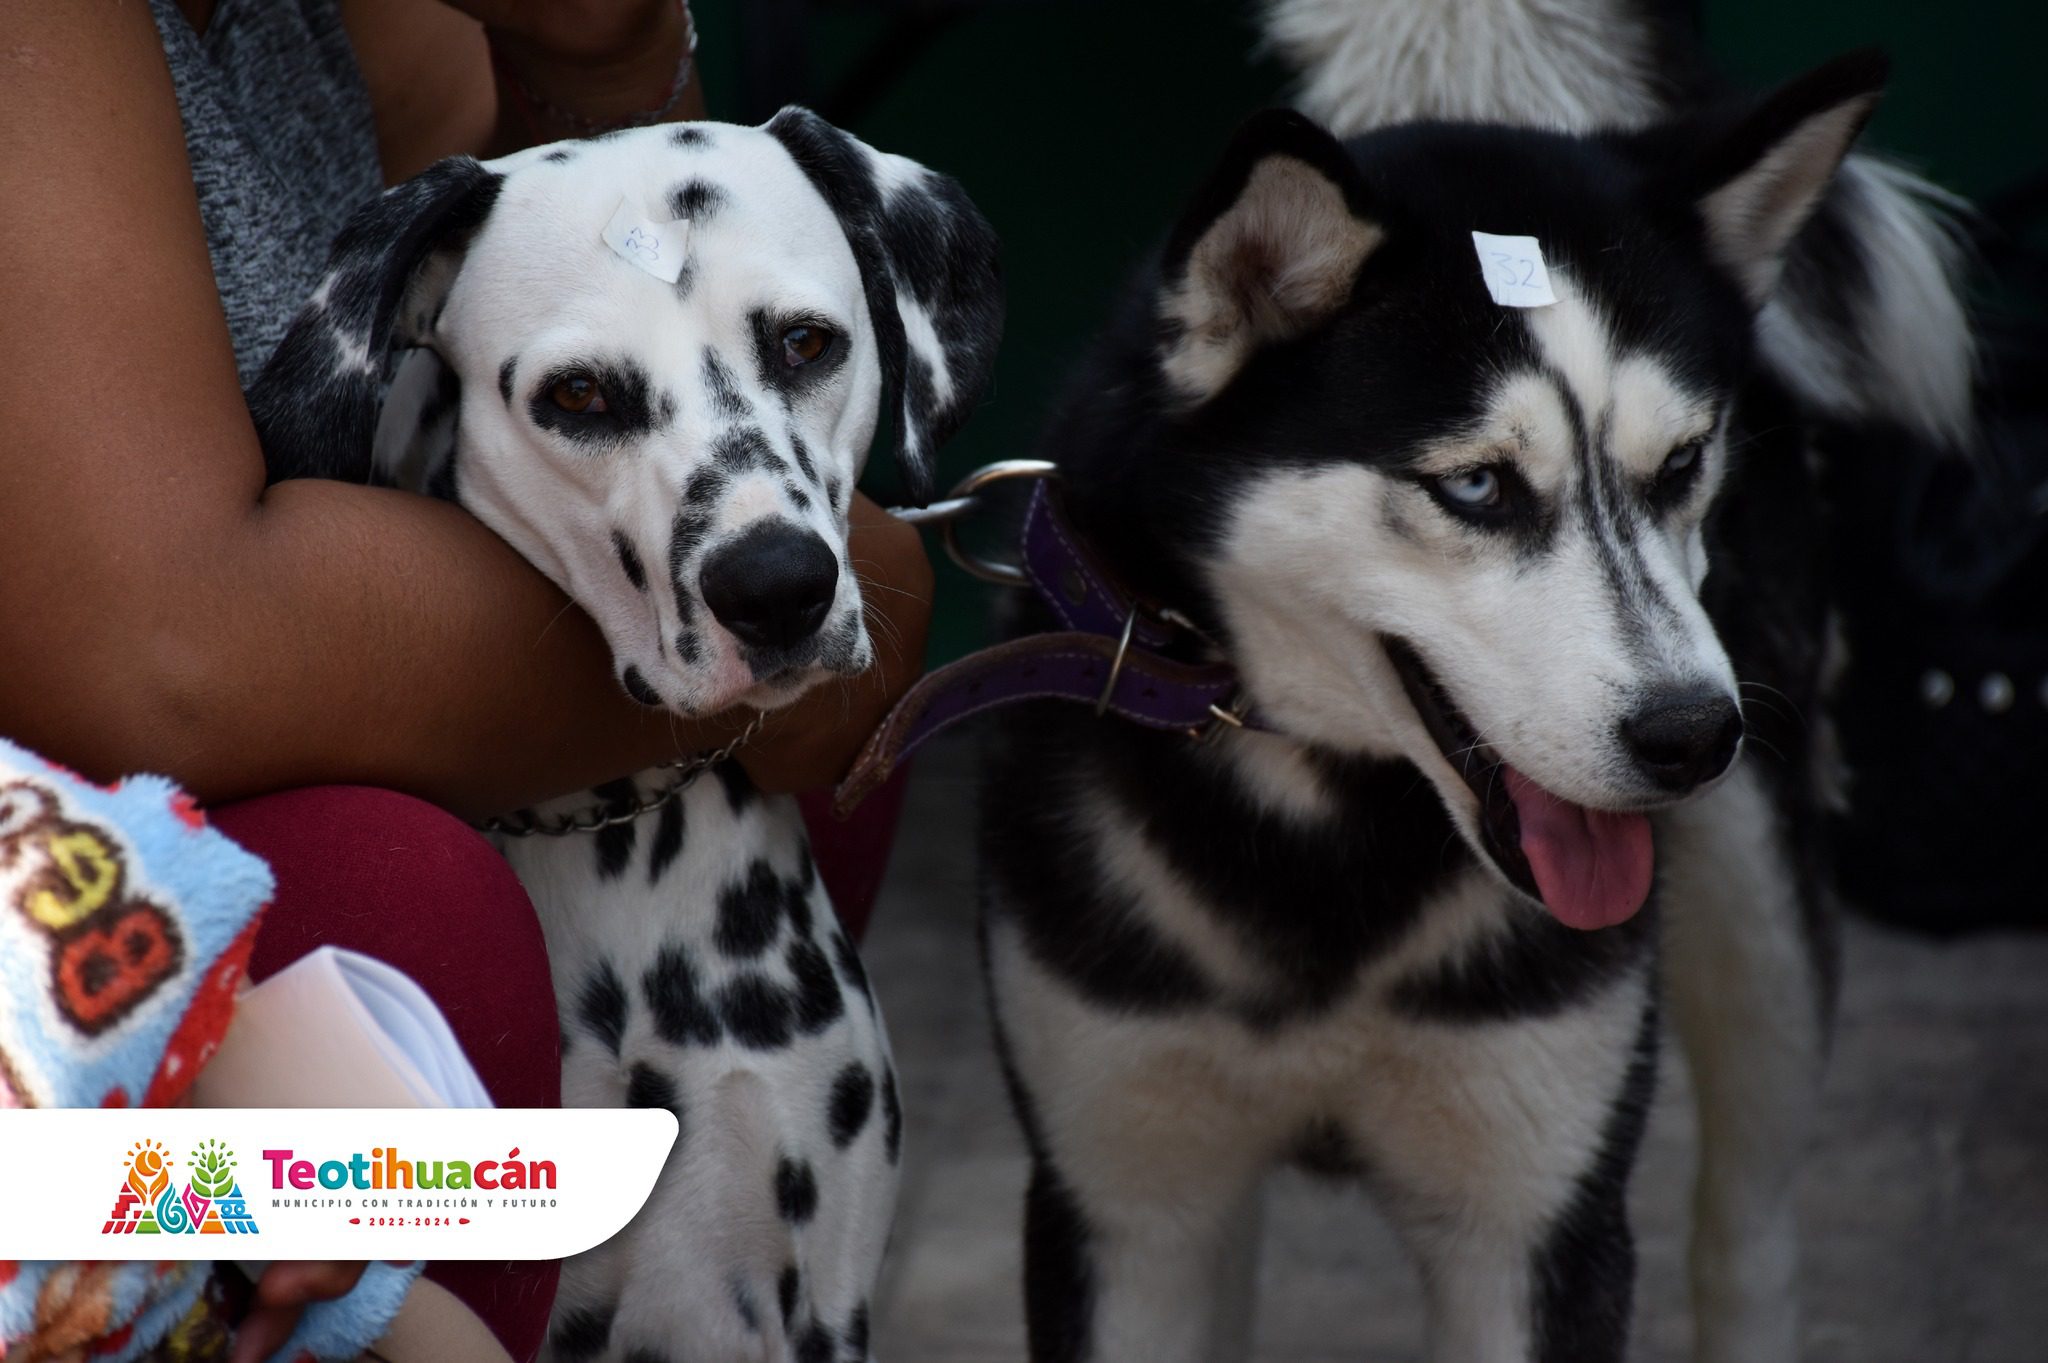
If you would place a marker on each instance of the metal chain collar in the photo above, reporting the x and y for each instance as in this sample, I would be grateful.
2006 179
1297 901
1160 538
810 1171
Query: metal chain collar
604 816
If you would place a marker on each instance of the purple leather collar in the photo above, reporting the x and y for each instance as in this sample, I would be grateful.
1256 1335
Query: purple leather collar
1108 656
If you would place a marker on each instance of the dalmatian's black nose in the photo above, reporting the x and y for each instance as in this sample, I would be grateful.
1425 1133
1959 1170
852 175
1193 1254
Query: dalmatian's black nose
772 584
1683 737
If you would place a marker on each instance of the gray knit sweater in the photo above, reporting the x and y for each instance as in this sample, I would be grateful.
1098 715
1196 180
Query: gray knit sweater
279 133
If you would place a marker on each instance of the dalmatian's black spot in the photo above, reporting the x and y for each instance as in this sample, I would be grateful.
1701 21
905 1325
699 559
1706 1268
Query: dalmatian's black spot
691 527
687 647
742 450
637 687
892 1116
850 966
687 136
727 400
814 1345
629 561
682 1015
835 491
756 1012
704 486
806 870
668 840
802 454
505 372
665 409
857 1333
796 1191
696 200
797 495
647 1086
560 156
750 912
615 844
819 1003
602 1005
686 280
853 1098
797 906
786 1288
739 789
583 1334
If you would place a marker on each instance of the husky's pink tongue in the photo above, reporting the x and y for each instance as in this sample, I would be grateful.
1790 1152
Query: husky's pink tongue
1591 866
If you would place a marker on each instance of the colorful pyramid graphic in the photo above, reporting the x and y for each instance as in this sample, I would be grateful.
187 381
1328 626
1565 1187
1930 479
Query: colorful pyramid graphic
149 1203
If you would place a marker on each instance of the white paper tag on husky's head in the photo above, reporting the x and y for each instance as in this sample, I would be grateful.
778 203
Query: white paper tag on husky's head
1513 270
656 247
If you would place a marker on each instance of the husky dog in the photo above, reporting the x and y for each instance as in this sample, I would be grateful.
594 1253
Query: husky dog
1489 575
653 363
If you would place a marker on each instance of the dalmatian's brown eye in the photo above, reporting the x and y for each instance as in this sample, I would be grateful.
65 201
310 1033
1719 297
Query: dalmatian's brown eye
802 345
578 393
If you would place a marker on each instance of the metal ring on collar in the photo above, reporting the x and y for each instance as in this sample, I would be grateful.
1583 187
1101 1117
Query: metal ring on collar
1116 665
948 512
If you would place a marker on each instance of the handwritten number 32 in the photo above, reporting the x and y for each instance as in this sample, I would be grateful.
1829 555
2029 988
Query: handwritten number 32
1510 266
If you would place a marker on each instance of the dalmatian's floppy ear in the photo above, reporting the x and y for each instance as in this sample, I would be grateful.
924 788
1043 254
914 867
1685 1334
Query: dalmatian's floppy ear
316 401
928 264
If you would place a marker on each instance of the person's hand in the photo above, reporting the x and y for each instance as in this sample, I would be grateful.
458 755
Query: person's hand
283 1293
812 742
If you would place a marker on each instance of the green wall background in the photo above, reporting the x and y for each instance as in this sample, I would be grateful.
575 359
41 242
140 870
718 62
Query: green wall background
1078 127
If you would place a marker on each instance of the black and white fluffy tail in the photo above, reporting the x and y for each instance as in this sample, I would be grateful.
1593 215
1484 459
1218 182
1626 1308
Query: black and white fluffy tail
1869 323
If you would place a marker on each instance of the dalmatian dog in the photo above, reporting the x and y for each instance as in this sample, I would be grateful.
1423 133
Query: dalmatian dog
653 363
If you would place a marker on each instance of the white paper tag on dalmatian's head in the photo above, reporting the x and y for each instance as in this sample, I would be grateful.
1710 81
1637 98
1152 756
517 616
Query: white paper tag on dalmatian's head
656 247
1513 270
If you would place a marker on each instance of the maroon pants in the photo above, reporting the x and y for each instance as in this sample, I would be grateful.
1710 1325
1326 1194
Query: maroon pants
411 885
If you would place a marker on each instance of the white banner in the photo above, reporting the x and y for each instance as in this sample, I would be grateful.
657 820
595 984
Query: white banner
323 1183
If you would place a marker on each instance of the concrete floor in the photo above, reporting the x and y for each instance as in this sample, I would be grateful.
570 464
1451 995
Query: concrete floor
1925 1200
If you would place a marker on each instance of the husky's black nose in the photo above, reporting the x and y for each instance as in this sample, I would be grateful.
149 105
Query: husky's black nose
772 585
1681 738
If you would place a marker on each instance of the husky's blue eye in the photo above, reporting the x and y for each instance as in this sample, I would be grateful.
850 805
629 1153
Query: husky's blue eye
1474 487
1489 495
1682 459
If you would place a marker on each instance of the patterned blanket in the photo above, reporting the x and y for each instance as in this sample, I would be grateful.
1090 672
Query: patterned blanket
125 928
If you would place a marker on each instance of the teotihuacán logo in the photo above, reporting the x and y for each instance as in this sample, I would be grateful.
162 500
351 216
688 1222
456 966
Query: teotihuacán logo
150 1202
323 1183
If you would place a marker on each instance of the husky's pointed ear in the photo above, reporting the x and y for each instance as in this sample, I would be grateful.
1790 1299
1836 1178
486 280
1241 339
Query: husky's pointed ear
1270 246
1759 179
930 269
316 400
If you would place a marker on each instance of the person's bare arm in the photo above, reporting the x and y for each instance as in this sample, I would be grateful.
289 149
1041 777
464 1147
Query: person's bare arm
160 610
